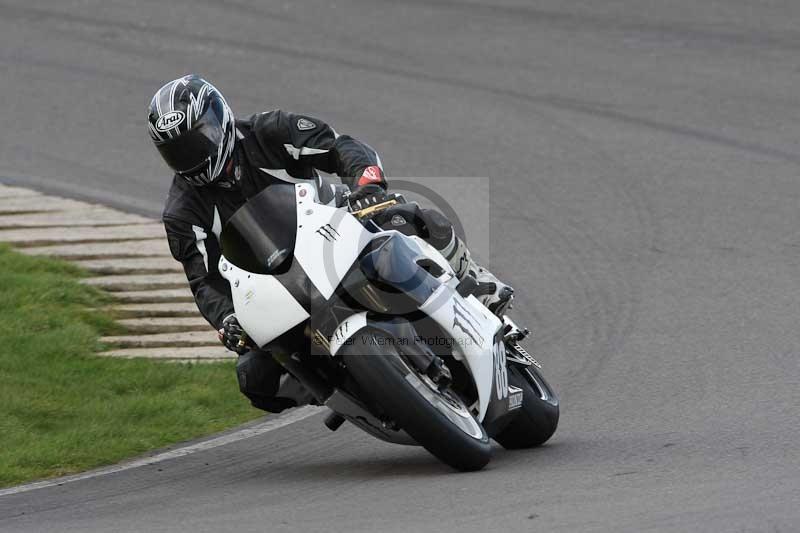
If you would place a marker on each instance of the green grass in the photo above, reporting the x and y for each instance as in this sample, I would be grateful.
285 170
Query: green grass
63 409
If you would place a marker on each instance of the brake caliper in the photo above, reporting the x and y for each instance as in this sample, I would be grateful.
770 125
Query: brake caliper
439 373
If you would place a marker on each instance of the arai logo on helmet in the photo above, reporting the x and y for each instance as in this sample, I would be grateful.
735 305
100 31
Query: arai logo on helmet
169 120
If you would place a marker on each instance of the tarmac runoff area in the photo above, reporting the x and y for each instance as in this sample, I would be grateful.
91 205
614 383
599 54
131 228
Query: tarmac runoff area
128 258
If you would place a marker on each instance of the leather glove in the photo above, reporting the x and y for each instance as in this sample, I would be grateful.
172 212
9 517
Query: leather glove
372 175
370 188
232 335
365 196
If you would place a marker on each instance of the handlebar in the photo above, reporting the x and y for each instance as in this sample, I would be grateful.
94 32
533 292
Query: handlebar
371 210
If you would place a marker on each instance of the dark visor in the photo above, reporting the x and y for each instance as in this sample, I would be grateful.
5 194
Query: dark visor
189 150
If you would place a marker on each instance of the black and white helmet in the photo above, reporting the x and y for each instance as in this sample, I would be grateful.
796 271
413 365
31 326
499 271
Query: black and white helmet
193 128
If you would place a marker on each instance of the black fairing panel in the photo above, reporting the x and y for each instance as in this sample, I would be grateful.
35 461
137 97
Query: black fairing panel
260 236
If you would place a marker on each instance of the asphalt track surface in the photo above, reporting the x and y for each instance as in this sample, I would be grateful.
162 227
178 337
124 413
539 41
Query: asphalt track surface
644 163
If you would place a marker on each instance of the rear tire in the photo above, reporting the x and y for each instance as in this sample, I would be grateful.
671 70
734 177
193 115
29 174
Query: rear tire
537 419
374 362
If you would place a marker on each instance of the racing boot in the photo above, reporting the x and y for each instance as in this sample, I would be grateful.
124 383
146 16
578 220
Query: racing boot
491 292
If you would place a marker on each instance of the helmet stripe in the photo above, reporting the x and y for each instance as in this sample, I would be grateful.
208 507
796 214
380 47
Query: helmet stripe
163 102
172 103
154 132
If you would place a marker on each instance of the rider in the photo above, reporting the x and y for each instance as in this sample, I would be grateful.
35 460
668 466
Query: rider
220 162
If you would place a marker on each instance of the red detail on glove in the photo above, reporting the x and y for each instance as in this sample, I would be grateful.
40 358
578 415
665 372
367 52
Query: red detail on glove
372 174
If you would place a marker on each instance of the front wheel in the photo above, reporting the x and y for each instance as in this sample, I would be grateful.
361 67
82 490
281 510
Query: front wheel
537 419
438 420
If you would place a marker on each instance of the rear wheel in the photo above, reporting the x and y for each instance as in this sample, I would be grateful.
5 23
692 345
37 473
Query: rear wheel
537 419
438 420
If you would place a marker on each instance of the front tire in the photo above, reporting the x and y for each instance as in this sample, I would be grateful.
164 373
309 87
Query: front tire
440 424
537 419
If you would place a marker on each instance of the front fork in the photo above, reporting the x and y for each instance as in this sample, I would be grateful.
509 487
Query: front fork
418 354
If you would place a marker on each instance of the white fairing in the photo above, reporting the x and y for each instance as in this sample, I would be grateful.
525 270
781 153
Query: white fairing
349 327
473 328
328 240
264 307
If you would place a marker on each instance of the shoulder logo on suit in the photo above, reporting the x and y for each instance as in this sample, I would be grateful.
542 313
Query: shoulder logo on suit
304 124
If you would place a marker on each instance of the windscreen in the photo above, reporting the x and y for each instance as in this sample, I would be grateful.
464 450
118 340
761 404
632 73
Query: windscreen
260 236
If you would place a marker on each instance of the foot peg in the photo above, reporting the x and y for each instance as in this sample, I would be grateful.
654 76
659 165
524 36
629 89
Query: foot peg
503 301
512 332
485 292
334 420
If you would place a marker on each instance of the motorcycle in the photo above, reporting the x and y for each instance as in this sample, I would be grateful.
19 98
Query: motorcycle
376 326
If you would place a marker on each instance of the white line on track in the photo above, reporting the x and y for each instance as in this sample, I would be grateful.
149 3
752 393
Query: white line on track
291 417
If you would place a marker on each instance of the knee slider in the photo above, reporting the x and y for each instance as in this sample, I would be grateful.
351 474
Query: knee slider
439 228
